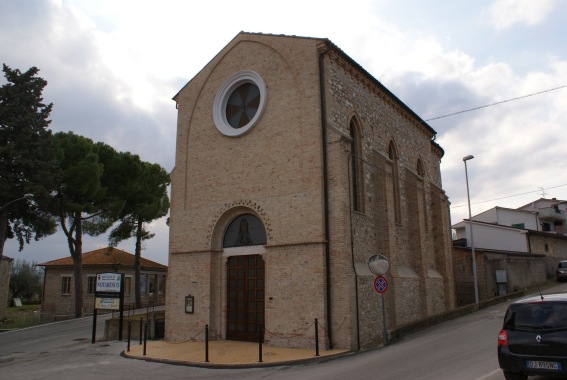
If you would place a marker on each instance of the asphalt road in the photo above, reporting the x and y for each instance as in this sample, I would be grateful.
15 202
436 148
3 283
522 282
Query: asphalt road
464 348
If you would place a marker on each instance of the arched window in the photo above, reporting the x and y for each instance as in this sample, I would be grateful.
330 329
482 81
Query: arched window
393 155
419 168
356 167
244 230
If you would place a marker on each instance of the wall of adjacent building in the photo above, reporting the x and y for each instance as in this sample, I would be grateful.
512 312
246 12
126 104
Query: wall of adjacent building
63 305
5 271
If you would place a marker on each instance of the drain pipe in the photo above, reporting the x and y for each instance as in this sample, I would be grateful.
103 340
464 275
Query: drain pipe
322 52
349 166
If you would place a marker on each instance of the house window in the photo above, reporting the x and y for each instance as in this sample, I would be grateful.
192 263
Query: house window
91 284
143 284
162 284
519 225
152 284
127 286
546 247
66 285
546 227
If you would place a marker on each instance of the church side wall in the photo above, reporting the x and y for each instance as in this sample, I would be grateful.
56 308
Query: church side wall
400 226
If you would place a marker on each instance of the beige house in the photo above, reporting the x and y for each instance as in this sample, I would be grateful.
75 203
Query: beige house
294 166
58 289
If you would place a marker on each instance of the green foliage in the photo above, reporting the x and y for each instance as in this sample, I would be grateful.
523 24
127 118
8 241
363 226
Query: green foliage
28 159
88 200
26 280
146 199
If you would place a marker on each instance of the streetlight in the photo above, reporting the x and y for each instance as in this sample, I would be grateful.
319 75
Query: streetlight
26 196
465 159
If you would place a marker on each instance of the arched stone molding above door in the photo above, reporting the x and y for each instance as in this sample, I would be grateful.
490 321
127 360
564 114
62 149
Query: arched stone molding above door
229 213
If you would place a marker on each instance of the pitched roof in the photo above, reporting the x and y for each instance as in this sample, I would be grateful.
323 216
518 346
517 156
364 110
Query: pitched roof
105 256
331 46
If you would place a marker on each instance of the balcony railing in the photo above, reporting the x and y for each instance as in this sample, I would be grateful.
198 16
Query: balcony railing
551 214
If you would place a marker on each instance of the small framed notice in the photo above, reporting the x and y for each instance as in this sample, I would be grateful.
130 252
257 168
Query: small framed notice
189 303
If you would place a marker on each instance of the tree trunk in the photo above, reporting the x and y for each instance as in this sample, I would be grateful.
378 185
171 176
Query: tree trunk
76 249
3 224
138 265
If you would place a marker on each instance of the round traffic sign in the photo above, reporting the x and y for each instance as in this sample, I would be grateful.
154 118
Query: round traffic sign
380 284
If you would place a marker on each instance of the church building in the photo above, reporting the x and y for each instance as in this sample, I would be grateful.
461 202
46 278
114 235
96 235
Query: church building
294 167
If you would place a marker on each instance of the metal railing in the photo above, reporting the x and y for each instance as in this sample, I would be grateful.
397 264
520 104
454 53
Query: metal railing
21 321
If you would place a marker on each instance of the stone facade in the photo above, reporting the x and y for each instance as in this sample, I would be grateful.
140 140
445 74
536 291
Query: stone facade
59 297
523 271
552 245
5 271
337 169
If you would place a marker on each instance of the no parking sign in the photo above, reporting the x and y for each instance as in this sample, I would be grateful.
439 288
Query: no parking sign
380 284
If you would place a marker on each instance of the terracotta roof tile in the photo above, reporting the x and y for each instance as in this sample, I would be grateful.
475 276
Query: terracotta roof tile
105 256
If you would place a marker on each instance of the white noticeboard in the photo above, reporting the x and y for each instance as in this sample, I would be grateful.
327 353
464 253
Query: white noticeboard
108 282
107 303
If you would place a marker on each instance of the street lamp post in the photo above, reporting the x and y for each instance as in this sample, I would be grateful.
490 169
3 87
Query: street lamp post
26 196
4 218
465 159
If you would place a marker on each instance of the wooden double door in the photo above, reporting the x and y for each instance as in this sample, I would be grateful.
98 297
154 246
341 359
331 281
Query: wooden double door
245 297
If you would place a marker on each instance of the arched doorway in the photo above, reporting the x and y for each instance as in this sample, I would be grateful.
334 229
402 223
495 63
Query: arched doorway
245 279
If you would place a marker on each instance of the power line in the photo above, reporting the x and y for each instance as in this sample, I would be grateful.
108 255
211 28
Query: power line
494 104
511 196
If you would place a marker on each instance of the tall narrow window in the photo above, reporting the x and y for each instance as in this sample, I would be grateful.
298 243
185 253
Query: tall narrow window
127 285
393 155
91 285
66 285
420 170
356 167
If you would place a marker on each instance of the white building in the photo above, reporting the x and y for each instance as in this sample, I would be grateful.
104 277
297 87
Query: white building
535 228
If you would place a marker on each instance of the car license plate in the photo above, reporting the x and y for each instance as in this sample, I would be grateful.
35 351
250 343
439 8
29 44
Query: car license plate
538 364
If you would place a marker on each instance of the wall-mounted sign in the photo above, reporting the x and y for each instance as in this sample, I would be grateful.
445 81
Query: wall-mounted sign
108 282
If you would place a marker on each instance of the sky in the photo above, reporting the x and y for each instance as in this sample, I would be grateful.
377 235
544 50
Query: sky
113 66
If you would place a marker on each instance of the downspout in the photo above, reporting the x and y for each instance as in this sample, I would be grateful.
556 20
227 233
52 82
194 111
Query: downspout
322 52
349 166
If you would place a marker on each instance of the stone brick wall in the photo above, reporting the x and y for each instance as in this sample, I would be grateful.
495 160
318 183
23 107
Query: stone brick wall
413 230
5 270
523 271
276 172
553 246
63 305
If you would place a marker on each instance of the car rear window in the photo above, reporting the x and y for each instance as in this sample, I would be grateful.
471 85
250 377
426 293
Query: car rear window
541 315
562 264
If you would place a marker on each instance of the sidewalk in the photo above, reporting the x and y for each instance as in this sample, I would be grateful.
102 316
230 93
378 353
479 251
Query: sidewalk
225 354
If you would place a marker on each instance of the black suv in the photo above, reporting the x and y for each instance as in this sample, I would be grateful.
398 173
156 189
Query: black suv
533 340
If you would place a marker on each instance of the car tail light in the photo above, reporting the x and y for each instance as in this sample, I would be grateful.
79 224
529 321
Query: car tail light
503 338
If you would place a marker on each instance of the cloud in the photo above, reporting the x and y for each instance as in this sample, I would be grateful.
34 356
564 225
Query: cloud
505 13
113 68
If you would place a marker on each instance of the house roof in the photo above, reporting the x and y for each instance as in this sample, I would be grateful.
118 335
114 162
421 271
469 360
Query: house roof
106 257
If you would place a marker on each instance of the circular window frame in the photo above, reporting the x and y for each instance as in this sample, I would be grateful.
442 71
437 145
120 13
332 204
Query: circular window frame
223 94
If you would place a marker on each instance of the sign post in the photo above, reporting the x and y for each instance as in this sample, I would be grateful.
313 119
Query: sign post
379 265
109 295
